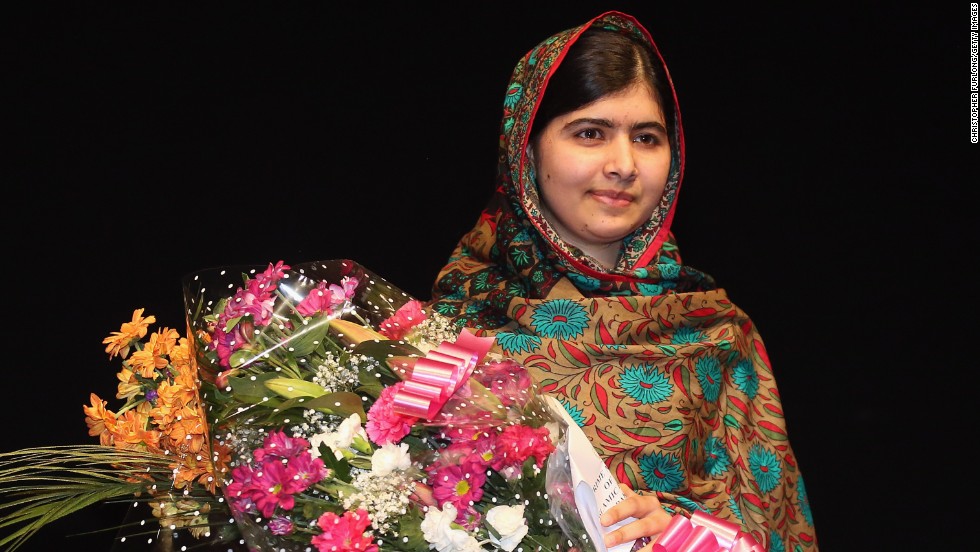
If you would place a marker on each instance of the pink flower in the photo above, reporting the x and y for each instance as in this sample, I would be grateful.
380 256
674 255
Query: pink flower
279 445
273 486
250 306
344 533
507 380
405 318
307 470
241 480
281 525
282 468
517 443
326 297
384 424
267 281
479 448
459 484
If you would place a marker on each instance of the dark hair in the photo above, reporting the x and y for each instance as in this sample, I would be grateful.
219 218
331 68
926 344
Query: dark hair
599 63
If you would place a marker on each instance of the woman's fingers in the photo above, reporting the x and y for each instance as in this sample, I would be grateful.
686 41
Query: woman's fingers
650 525
650 518
634 506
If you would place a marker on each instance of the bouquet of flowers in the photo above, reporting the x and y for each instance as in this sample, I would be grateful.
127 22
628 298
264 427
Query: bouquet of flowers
353 418
154 447
309 407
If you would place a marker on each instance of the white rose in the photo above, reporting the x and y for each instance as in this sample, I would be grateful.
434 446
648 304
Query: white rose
339 439
509 523
437 528
348 430
461 541
437 524
390 457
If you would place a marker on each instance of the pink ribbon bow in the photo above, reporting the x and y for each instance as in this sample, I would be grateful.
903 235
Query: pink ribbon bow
439 374
704 533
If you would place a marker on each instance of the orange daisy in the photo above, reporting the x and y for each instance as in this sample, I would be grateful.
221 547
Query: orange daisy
145 363
180 356
128 386
99 420
118 343
162 342
130 433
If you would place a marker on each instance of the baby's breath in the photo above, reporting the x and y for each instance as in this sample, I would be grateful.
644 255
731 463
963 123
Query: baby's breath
386 497
435 329
334 375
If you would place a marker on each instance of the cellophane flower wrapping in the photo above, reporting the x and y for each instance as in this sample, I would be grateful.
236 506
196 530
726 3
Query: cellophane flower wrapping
310 377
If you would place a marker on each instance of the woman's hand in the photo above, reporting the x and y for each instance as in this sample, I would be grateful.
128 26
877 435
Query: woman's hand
651 519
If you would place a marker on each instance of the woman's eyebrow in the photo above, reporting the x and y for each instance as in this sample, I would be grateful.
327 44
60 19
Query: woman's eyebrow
654 125
606 123
590 121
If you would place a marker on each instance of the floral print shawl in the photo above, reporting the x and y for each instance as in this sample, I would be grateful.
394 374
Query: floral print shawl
668 378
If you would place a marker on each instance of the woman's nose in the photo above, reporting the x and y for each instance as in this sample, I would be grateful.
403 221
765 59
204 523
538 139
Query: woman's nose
621 163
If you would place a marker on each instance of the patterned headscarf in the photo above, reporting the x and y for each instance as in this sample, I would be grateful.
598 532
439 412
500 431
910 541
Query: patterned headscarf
668 378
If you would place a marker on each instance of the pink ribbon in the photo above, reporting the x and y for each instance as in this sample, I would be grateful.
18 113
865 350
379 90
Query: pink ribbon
704 533
439 374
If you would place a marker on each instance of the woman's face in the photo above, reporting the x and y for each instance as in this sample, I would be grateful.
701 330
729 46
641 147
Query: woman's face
602 169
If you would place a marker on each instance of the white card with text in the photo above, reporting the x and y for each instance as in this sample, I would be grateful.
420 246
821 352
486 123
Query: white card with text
596 489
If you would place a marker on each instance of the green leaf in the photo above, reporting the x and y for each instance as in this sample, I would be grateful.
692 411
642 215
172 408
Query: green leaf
307 339
340 403
291 388
251 389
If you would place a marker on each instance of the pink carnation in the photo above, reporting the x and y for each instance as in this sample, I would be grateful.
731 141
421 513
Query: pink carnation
384 424
517 443
405 318
344 533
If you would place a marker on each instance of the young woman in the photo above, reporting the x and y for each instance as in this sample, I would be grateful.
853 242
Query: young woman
572 265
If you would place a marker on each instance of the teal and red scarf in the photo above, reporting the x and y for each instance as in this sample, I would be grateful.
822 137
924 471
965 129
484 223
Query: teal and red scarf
668 378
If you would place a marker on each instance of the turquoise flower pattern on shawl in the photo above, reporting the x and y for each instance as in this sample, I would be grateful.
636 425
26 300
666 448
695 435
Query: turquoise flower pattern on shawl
662 472
804 501
745 378
574 411
584 283
715 457
560 319
686 335
708 370
733 505
776 542
646 384
691 505
650 289
765 467
518 341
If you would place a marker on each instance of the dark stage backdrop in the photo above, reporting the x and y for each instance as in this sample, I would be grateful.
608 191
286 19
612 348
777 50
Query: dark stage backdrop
827 151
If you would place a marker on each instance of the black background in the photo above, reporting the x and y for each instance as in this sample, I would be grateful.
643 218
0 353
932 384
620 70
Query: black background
826 189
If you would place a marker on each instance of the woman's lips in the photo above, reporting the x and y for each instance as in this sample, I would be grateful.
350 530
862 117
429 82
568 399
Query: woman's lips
612 197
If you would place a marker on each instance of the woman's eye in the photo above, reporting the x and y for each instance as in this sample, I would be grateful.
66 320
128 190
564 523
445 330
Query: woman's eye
649 139
590 134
